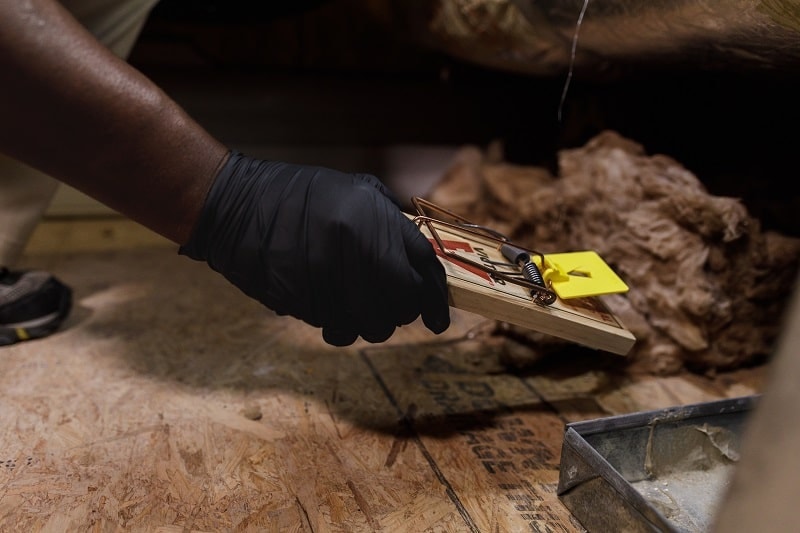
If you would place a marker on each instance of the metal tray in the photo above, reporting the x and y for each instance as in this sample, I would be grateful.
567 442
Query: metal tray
663 470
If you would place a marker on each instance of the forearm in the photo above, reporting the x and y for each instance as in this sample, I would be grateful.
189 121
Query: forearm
77 112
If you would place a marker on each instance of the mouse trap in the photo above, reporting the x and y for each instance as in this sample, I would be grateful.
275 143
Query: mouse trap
557 294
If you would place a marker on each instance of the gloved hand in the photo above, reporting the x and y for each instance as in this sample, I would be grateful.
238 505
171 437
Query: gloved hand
329 248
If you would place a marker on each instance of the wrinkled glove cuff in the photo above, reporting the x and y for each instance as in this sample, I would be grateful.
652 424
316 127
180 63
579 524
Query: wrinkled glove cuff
198 244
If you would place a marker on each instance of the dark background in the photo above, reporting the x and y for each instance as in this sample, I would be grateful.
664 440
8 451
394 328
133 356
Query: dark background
324 73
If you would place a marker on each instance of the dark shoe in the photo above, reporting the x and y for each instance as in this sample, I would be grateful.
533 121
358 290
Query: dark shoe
33 304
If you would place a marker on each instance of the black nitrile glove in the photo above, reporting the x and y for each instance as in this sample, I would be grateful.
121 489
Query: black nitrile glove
329 248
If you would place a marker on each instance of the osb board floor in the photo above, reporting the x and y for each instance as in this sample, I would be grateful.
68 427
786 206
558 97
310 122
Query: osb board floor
171 402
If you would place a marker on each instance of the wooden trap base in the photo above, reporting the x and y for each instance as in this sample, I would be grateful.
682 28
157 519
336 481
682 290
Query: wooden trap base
586 321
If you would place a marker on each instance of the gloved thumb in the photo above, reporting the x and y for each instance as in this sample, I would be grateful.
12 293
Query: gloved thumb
435 308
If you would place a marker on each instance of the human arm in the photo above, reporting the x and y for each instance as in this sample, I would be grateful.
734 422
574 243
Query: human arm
72 109
329 248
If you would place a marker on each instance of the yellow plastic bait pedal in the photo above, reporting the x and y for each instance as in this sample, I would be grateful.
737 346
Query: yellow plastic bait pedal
579 275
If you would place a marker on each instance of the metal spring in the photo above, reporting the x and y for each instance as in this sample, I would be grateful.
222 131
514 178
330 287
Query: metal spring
531 272
540 293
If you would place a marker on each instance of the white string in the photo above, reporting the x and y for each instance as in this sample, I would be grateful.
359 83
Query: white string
572 58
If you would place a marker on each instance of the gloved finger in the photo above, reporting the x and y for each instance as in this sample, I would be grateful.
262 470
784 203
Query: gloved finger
406 315
338 337
434 305
402 290
377 334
